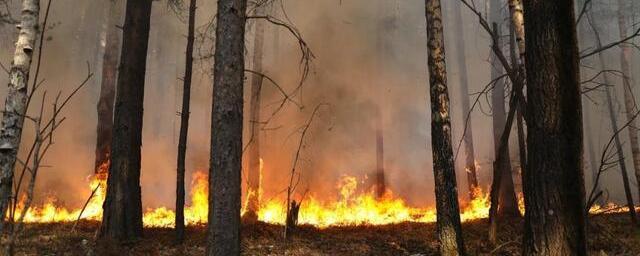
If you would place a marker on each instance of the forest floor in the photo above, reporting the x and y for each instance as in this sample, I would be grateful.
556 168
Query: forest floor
609 234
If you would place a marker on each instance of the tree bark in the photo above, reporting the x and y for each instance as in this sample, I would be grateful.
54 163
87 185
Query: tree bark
553 181
122 218
184 123
226 130
448 212
629 99
253 190
15 106
470 160
108 88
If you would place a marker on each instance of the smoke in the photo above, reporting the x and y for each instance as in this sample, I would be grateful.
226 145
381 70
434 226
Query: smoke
369 54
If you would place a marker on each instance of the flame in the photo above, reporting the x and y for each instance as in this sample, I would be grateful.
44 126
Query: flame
353 206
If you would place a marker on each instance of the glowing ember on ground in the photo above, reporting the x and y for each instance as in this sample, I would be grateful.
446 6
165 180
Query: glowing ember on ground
350 208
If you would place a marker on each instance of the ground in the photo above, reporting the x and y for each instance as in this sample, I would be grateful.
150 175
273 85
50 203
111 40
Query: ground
608 235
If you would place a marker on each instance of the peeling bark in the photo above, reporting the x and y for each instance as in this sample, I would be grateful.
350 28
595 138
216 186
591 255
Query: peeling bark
15 106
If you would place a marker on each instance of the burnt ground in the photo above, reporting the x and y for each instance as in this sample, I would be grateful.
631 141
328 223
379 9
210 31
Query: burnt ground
611 234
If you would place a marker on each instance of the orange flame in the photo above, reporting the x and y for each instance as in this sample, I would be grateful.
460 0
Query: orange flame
352 207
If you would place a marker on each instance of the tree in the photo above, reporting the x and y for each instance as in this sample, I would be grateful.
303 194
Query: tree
448 216
108 87
470 162
226 130
15 106
122 218
553 180
507 204
184 122
253 182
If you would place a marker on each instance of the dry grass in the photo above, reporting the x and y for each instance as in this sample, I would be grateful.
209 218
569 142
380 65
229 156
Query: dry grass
611 234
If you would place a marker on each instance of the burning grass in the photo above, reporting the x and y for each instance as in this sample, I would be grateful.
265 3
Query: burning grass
609 233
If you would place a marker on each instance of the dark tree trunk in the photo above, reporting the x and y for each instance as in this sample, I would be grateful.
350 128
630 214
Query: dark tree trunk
470 161
449 229
184 123
108 88
253 189
553 181
226 130
122 219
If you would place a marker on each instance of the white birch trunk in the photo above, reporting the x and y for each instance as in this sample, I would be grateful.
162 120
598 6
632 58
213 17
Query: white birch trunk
16 101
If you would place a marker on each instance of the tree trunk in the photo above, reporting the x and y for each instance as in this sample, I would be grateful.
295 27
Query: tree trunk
380 177
122 219
470 161
108 88
184 123
226 130
449 229
522 145
507 203
253 190
629 99
553 181
15 106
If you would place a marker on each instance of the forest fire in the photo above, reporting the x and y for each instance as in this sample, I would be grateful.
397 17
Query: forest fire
350 209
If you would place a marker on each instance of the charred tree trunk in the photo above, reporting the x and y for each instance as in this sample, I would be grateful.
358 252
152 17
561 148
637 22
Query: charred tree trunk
629 99
553 181
122 219
108 88
470 160
226 130
449 229
253 190
184 123
15 106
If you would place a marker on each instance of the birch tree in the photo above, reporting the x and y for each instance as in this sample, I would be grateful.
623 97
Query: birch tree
15 106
